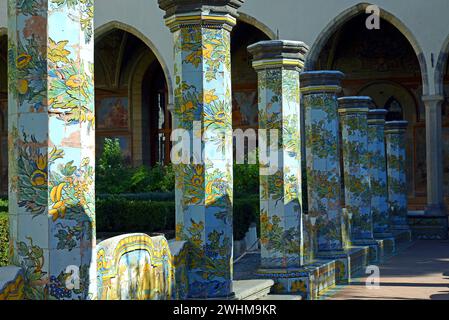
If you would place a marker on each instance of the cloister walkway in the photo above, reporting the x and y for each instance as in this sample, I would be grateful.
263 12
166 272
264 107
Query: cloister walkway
419 272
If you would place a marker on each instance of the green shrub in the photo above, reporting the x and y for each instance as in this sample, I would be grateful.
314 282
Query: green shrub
118 214
4 236
246 211
149 196
246 180
114 176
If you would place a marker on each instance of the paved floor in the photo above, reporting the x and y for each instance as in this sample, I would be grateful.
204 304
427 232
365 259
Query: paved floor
419 272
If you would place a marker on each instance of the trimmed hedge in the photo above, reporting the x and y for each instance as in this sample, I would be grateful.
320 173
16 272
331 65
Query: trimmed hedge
4 235
246 212
120 214
153 196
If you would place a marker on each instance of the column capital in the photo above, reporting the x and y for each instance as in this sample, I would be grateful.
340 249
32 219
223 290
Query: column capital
432 98
321 81
356 104
211 13
396 127
377 116
278 53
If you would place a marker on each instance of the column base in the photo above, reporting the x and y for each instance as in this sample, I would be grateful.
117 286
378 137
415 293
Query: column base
348 263
389 243
11 283
436 210
402 235
309 281
376 248
432 225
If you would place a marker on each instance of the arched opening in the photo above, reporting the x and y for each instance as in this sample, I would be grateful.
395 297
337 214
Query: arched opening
130 90
245 100
3 115
382 64
244 77
443 82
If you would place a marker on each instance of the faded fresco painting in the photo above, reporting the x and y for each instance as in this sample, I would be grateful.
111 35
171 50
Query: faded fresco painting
112 113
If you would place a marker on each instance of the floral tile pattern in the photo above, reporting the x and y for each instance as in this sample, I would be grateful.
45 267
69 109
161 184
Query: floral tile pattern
397 179
204 185
354 127
280 186
51 145
324 222
378 171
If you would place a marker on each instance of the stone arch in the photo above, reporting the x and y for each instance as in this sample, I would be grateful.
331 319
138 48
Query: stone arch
114 25
352 12
440 69
258 24
416 112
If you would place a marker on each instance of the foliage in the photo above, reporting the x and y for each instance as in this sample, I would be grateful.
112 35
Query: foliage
128 214
4 232
246 211
246 179
114 176
118 214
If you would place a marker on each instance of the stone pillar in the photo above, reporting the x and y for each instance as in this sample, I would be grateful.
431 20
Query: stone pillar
397 179
354 127
203 116
52 147
278 64
434 148
324 224
378 173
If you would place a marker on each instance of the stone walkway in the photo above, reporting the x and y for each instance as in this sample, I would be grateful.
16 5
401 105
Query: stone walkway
419 272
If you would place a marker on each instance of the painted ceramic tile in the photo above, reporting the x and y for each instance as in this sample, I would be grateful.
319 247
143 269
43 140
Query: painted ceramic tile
378 172
324 220
354 128
52 130
204 190
280 188
397 178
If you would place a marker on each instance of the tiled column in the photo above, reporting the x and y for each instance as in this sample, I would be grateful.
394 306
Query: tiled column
397 180
202 72
324 224
278 64
378 173
354 126
52 147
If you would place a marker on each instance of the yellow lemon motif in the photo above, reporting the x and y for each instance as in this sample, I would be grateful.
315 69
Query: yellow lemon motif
187 107
22 86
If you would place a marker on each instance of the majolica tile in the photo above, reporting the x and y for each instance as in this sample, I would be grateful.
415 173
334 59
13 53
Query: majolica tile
378 172
204 191
324 220
280 188
397 178
354 125
52 189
